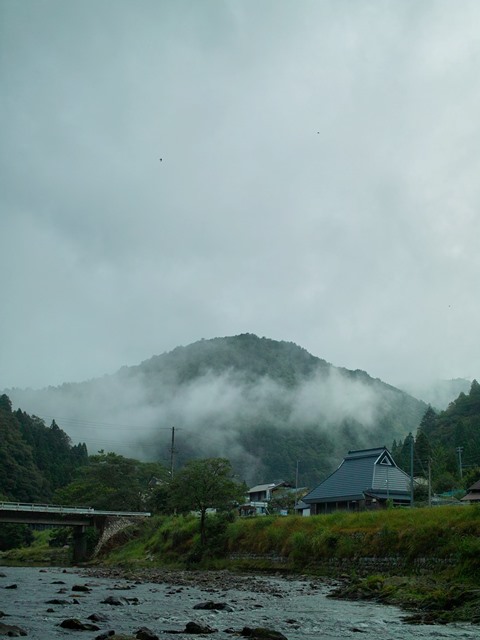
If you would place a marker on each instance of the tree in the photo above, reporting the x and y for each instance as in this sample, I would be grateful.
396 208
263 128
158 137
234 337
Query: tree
283 498
204 484
427 425
470 477
112 482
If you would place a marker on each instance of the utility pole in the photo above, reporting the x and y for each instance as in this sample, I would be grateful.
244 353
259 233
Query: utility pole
429 482
411 469
296 485
459 451
172 453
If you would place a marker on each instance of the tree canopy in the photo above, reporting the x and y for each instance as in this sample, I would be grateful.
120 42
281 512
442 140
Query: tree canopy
206 484
112 482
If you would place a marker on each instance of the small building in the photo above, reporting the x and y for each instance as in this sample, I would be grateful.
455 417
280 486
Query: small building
366 479
473 495
302 508
259 496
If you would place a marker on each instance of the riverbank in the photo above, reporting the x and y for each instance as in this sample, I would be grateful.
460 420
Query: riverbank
165 603
426 599
426 561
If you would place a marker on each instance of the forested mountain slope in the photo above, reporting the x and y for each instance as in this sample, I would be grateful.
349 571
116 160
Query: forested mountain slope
450 440
265 404
35 460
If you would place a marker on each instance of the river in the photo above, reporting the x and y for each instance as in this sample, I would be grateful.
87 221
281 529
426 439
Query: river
296 607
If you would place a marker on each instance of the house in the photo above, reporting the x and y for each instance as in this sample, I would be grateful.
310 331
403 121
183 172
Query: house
366 479
473 495
260 495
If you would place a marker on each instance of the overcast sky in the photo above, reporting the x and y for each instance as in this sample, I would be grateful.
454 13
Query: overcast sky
318 182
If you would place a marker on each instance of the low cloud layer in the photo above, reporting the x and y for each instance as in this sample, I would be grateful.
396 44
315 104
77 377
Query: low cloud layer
126 414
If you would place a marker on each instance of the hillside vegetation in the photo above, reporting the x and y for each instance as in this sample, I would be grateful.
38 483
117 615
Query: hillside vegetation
35 460
450 441
262 403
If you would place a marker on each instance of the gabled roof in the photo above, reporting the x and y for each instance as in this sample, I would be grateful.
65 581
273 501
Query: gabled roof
473 496
371 471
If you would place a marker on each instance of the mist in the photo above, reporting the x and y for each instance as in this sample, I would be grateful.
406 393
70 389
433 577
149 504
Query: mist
131 415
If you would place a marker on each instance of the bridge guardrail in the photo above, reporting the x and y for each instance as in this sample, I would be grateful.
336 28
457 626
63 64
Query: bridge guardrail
47 508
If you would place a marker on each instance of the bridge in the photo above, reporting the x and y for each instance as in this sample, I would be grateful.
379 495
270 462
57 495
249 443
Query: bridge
60 516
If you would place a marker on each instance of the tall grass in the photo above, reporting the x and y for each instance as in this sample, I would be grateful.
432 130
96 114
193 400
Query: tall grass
441 532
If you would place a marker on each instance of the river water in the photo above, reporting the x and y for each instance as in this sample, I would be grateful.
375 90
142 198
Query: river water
298 608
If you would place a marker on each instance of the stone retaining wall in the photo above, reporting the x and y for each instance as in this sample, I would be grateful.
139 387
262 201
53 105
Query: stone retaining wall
113 527
362 566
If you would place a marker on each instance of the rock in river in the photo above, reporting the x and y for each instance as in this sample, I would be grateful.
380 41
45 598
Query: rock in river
260 633
218 606
11 631
73 623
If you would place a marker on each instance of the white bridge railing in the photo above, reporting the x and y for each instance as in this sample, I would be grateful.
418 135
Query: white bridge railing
59 509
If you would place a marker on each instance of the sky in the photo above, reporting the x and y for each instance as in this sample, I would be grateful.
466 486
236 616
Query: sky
302 170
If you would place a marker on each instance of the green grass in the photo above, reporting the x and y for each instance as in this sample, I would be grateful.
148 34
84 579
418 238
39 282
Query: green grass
444 533
40 553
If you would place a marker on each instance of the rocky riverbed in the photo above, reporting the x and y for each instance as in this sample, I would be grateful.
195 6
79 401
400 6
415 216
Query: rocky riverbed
102 603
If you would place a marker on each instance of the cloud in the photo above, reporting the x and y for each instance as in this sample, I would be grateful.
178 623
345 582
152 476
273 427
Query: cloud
326 401
318 183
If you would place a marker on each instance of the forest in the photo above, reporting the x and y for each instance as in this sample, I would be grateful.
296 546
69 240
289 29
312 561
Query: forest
447 442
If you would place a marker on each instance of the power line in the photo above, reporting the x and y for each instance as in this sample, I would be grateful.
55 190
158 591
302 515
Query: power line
91 424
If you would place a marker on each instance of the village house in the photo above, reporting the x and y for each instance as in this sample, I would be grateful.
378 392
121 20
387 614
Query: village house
366 479
259 496
473 495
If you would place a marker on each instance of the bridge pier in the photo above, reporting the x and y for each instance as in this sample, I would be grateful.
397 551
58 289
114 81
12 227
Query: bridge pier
79 543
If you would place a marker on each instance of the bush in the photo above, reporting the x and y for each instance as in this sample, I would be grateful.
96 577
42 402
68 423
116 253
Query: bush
14 536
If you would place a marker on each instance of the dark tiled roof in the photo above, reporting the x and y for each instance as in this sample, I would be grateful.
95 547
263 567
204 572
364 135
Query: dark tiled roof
367 470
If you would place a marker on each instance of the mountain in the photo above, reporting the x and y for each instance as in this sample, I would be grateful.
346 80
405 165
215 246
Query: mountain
265 404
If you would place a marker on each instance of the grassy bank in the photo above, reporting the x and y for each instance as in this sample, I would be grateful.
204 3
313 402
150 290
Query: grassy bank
307 544
39 553
432 555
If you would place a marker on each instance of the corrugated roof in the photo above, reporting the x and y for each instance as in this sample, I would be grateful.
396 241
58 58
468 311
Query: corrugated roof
270 485
360 471
261 487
